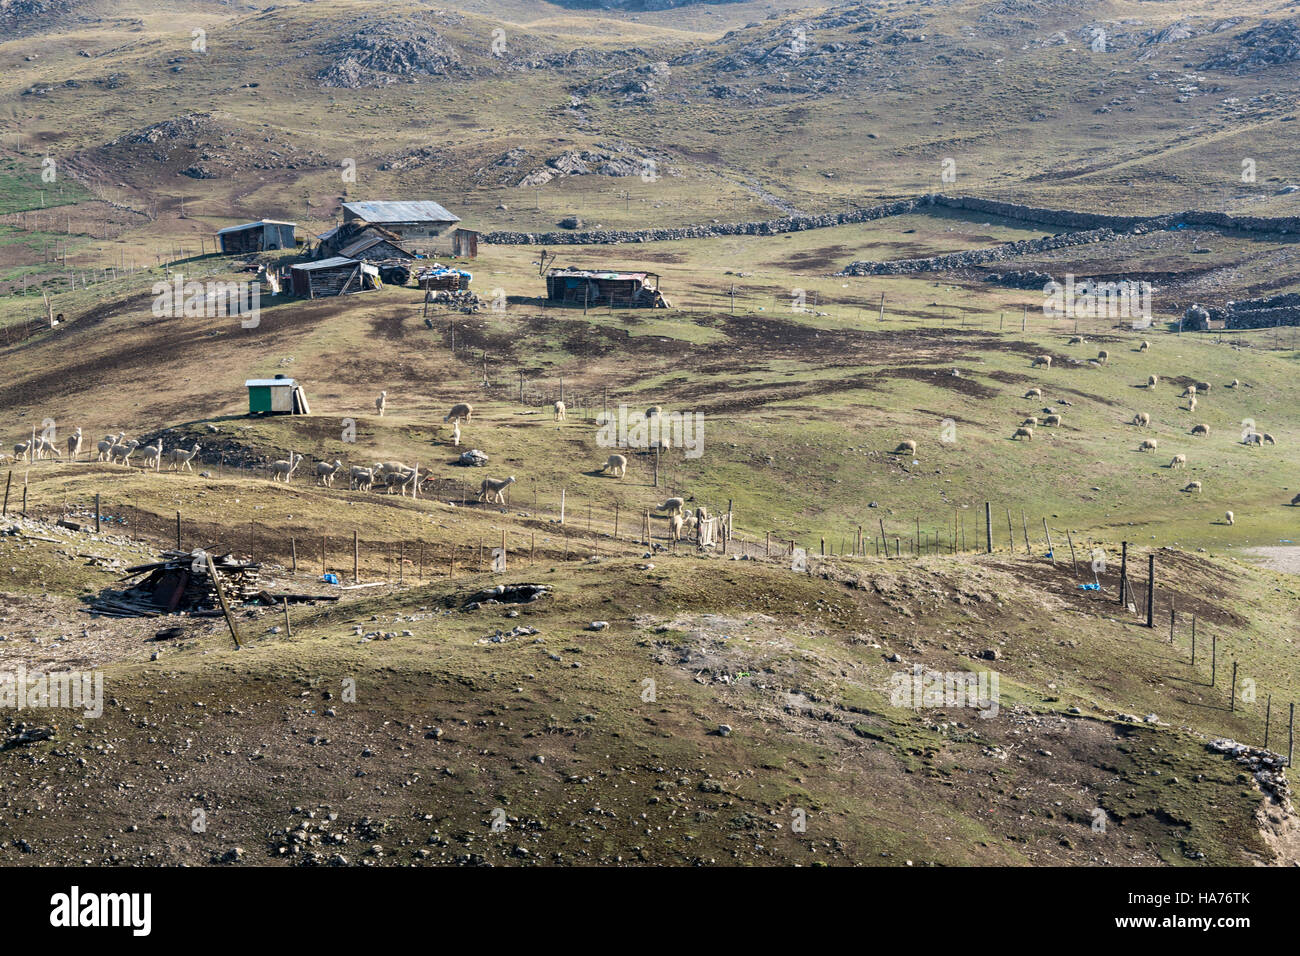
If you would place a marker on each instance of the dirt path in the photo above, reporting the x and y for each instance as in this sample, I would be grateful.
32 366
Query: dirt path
1276 558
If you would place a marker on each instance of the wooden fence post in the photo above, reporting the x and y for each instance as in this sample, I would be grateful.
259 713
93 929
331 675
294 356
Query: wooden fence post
1214 659
1268 718
988 526
221 599
293 553
9 481
178 529
11 474
1232 691
1123 575
356 558
1048 534
1151 590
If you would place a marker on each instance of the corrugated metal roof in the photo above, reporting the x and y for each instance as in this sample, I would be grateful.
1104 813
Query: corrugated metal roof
361 245
391 210
333 262
252 382
259 222
593 274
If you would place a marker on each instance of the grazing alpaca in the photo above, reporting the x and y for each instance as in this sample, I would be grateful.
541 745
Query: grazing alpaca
494 489
673 506
1044 360
1194 486
1076 340
1052 420
74 445
182 458
560 412
1148 444
615 464
325 472
1202 430
1034 393
1189 390
1142 419
1228 517
1023 433
1178 461
1268 438
1030 422
460 412
283 470
905 446
381 403
1153 381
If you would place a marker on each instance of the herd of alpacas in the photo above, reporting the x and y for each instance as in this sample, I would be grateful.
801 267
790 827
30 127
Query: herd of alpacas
394 476
386 476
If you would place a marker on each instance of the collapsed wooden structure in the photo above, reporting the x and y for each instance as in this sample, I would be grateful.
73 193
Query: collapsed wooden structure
337 275
592 287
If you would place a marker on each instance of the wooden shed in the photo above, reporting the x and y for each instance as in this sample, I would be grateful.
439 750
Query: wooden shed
593 287
334 276
256 237
464 244
276 396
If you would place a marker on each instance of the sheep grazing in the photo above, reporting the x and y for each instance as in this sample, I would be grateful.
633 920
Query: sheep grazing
153 454
1148 444
673 506
1153 381
1044 360
1144 346
494 489
1178 461
381 403
1193 486
123 452
460 412
1268 438
325 472
283 470
616 465
1103 357
1142 419
1023 433
74 445
1052 420
908 446
1202 430
1228 517
180 458
1031 421
1191 403
1076 340
361 478
560 413
1034 393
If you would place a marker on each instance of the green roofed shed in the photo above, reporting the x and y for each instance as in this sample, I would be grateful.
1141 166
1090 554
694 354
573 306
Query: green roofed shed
276 396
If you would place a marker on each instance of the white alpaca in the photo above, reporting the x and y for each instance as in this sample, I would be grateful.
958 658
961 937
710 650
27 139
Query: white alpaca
560 412
460 412
1034 393
906 446
21 449
1142 419
1144 346
46 448
1228 517
360 479
325 472
673 506
1189 390
283 470
123 452
381 403
181 458
1103 357
1148 444
1178 461
455 434
105 447
1030 422
1076 340
615 464
74 445
675 526
1191 403
1153 381
494 489
1194 486
152 454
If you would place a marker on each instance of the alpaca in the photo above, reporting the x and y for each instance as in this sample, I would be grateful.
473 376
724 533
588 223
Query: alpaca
1234 383
21 449
673 506
1076 340
615 464
361 478
46 448
153 454
1044 360
325 472
1191 403
560 412
1178 461
1103 356
1189 390
675 526
1030 422
1153 381
1148 444
283 470
1023 433
74 445
1193 486
1228 517
1202 430
106 446
494 489
1142 419
1254 438
1052 420
1034 393
123 452
460 412
1144 346
181 458
906 446
381 403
